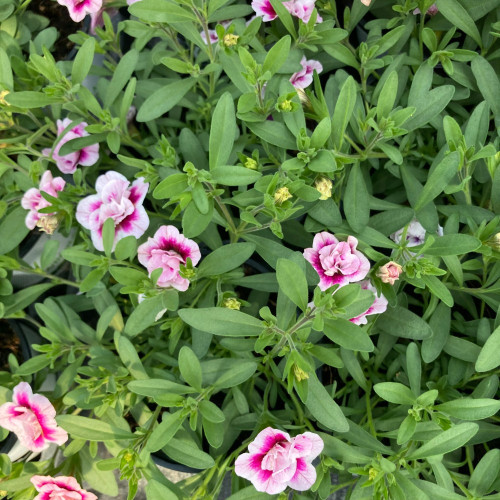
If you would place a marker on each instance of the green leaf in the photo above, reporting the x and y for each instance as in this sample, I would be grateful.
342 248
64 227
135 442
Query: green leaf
14 226
211 412
387 96
235 175
33 365
222 321
356 200
292 282
236 376
453 244
164 432
277 55
19 300
249 493
343 110
190 368
144 315
81 142
284 16
323 408
171 186
447 441
222 131
194 222
470 409
121 76
161 11
348 335
401 322
439 179
414 367
108 236
488 82
488 358
130 358
458 16
83 61
29 99
462 349
225 258
158 491
6 70
395 392
485 473
274 133
429 106
126 248
338 450
156 387
406 430
187 453
321 133
127 276
91 429
164 99
440 325
439 289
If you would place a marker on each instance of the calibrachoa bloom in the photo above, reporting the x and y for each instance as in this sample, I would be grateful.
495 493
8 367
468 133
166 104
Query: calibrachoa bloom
302 9
168 249
337 263
86 156
118 200
415 234
276 461
60 488
366 2
389 272
31 417
379 304
304 77
264 9
78 9
432 10
34 201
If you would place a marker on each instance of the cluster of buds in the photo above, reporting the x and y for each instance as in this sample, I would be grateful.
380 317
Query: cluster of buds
281 195
230 40
324 186
232 303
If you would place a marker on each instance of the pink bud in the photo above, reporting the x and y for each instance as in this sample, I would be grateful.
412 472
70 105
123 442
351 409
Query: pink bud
390 272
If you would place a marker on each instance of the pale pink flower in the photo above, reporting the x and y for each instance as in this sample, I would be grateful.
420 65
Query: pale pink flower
379 304
86 156
118 200
304 77
302 9
366 2
168 250
60 488
264 9
96 20
432 10
34 201
31 417
212 35
78 9
389 272
276 461
415 234
337 263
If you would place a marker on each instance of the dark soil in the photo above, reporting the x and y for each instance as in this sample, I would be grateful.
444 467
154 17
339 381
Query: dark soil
59 18
9 344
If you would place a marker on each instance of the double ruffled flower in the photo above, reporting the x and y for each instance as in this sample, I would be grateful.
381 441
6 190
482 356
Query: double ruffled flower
275 461
118 200
34 201
301 9
168 250
60 488
336 262
78 9
86 156
31 417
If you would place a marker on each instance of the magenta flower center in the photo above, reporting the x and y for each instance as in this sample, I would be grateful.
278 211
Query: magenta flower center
338 258
277 458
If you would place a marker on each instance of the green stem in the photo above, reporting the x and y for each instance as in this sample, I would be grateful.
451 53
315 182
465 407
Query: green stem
52 277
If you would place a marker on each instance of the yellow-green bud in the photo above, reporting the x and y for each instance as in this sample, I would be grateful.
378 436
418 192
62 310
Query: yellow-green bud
372 474
324 186
299 373
230 40
4 93
232 303
250 163
48 223
281 195
286 105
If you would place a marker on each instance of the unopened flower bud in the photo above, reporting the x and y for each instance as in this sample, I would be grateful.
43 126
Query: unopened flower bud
299 373
389 272
286 105
232 303
4 93
48 223
250 163
324 186
303 97
230 40
372 473
281 195
494 242
128 457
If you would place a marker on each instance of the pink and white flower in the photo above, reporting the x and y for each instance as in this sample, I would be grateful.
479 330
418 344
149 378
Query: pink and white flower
168 250
60 488
302 9
34 201
118 200
366 2
336 262
264 9
212 34
304 77
276 461
415 234
431 11
86 156
31 417
379 304
78 9
96 19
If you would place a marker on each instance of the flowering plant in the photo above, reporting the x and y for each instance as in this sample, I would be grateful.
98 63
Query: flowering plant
268 226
